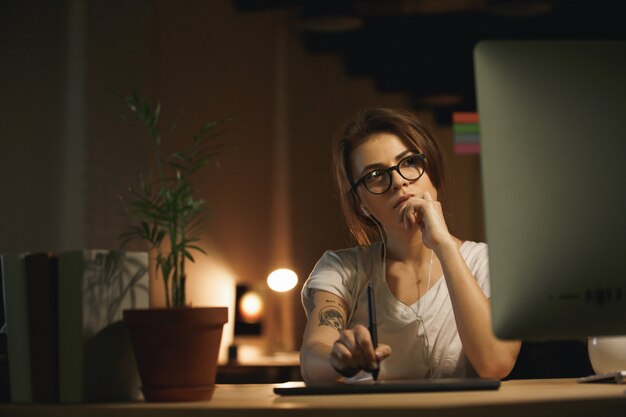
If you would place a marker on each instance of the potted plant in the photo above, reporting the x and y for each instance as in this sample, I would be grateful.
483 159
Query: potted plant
176 347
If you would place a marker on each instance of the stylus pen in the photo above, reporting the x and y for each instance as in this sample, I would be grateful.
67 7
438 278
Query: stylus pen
371 310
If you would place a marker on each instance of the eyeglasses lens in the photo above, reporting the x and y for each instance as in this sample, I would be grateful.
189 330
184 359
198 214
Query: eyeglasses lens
410 168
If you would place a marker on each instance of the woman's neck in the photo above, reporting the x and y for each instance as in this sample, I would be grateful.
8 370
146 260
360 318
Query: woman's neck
406 246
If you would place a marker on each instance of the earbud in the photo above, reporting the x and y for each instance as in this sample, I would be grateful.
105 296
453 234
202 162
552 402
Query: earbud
367 213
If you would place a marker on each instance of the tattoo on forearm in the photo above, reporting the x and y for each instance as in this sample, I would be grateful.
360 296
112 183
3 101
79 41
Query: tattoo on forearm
330 316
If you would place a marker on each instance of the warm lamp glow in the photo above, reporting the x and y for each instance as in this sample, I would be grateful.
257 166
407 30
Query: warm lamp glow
282 280
212 283
251 307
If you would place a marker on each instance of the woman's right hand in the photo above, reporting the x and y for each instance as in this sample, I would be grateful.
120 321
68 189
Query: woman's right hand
354 351
329 349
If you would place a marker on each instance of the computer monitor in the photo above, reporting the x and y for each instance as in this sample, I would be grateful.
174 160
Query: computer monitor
553 155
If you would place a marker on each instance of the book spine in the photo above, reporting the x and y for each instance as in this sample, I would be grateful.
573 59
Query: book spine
16 318
42 277
465 117
70 312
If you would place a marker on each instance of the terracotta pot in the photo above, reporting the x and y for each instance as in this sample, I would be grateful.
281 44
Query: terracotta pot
176 350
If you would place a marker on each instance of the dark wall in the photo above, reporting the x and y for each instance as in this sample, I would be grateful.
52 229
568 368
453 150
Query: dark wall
204 61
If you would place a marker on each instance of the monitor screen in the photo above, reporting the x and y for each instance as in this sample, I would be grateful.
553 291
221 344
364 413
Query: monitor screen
553 157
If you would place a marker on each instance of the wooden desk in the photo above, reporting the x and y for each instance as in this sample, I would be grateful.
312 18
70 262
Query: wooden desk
534 398
257 374
281 367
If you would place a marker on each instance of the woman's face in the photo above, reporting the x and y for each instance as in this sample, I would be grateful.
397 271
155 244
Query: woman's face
381 151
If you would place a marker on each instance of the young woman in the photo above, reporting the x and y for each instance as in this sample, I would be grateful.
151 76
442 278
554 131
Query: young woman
431 289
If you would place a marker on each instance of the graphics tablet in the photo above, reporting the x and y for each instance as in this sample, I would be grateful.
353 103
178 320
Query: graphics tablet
394 386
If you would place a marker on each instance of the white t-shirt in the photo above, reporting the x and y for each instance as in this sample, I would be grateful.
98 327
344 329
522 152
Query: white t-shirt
346 274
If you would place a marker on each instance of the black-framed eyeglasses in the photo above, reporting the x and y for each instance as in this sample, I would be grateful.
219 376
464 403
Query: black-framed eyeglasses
378 181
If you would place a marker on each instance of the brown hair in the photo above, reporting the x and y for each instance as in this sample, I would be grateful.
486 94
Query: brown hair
366 123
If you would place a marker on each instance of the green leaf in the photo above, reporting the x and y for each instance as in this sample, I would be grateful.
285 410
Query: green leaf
205 128
157 112
188 255
197 248
159 237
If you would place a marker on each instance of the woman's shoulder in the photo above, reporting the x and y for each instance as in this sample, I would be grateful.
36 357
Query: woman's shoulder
351 255
471 246
477 259
347 262
339 272
474 252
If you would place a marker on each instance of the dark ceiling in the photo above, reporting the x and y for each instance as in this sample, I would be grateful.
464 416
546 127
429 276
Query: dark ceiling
424 47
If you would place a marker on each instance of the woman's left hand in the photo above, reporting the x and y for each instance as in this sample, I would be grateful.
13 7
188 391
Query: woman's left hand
427 214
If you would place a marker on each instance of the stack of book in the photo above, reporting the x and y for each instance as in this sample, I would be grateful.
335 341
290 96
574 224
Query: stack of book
65 339
466 133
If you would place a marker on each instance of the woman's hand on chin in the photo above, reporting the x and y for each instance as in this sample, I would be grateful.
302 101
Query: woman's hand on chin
427 214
